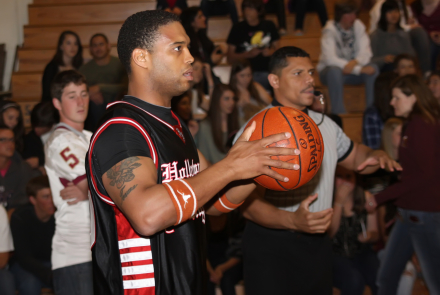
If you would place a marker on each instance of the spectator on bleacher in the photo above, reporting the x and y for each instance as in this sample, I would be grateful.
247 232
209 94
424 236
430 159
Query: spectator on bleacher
7 283
14 172
32 228
405 64
387 214
68 56
345 55
201 90
379 112
279 8
353 230
417 229
419 37
181 106
42 119
220 7
194 23
301 7
217 128
251 96
173 6
389 39
106 78
11 116
427 13
434 84
254 39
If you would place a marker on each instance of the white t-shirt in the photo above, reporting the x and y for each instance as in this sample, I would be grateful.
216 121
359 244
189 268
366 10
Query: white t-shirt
6 244
337 146
65 152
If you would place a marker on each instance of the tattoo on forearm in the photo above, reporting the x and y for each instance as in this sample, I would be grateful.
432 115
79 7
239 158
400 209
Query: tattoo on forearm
122 173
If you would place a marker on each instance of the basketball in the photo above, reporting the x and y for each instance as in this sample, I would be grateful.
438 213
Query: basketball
305 136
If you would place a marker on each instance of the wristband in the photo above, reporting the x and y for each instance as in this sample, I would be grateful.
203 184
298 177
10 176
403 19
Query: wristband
184 199
223 205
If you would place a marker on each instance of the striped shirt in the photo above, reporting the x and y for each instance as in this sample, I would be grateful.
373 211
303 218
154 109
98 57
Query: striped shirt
337 146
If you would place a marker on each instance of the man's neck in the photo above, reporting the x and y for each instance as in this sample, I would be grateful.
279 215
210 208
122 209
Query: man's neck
145 93
103 61
4 162
42 216
285 102
77 126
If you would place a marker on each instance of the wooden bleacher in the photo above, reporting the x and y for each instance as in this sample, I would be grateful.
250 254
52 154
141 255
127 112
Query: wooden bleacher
48 18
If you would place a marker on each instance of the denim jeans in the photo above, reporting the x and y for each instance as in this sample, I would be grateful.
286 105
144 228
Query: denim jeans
406 283
414 231
335 80
216 8
351 275
7 285
26 282
74 280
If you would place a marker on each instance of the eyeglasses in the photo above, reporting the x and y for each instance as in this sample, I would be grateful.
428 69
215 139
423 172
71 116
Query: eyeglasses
5 139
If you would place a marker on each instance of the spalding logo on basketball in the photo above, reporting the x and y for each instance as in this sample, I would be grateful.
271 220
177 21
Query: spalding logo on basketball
305 136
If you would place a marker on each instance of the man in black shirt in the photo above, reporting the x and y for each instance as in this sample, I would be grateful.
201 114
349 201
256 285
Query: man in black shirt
255 39
32 229
149 183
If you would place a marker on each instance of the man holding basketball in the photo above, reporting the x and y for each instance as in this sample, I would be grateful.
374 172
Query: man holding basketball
148 182
285 247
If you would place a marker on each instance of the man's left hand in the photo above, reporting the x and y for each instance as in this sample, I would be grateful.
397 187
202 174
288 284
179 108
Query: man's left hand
72 194
382 159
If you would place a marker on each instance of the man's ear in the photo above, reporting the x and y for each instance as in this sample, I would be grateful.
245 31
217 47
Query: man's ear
274 81
56 103
32 200
141 58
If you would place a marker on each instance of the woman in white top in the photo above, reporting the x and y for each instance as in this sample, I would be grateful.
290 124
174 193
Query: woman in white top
419 37
251 96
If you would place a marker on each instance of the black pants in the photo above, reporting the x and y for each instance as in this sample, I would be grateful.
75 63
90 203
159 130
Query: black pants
284 263
277 7
303 6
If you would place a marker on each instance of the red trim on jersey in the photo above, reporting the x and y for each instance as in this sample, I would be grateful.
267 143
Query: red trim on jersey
64 181
119 120
157 118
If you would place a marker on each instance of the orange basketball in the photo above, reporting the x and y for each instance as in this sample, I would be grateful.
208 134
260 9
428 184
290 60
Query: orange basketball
305 136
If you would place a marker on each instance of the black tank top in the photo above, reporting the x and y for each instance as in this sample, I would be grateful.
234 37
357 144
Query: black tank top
171 261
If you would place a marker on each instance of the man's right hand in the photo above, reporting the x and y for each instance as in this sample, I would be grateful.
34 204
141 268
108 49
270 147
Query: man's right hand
253 52
249 159
303 220
349 67
368 70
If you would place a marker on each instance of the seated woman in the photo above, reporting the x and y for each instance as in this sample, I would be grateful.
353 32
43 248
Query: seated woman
67 57
389 39
434 84
173 6
353 230
194 23
11 116
202 87
419 37
251 96
181 106
218 127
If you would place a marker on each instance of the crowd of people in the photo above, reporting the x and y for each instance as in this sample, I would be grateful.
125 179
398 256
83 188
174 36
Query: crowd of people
370 217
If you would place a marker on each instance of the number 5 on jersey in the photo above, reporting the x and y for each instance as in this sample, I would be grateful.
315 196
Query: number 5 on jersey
64 154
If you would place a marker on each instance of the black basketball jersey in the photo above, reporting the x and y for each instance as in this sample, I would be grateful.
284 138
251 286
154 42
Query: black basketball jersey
171 261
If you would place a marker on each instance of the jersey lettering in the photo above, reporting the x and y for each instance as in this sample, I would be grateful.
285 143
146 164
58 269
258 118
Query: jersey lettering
170 172
68 157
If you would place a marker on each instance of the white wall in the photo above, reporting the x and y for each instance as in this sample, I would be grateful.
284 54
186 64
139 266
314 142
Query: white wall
13 16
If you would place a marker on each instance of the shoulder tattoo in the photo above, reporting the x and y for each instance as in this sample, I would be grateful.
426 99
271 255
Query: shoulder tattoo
122 173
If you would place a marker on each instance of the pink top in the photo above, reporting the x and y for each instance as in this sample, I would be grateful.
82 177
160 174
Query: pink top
429 23
5 170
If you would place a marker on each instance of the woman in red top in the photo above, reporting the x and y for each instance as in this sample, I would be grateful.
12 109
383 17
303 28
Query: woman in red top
417 195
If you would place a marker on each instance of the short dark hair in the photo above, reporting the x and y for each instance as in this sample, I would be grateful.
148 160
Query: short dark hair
63 79
43 115
278 60
36 184
345 6
99 35
257 4
141 31
402 56
387 6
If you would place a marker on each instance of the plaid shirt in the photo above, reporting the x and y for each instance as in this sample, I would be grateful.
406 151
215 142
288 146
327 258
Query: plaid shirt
372 128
